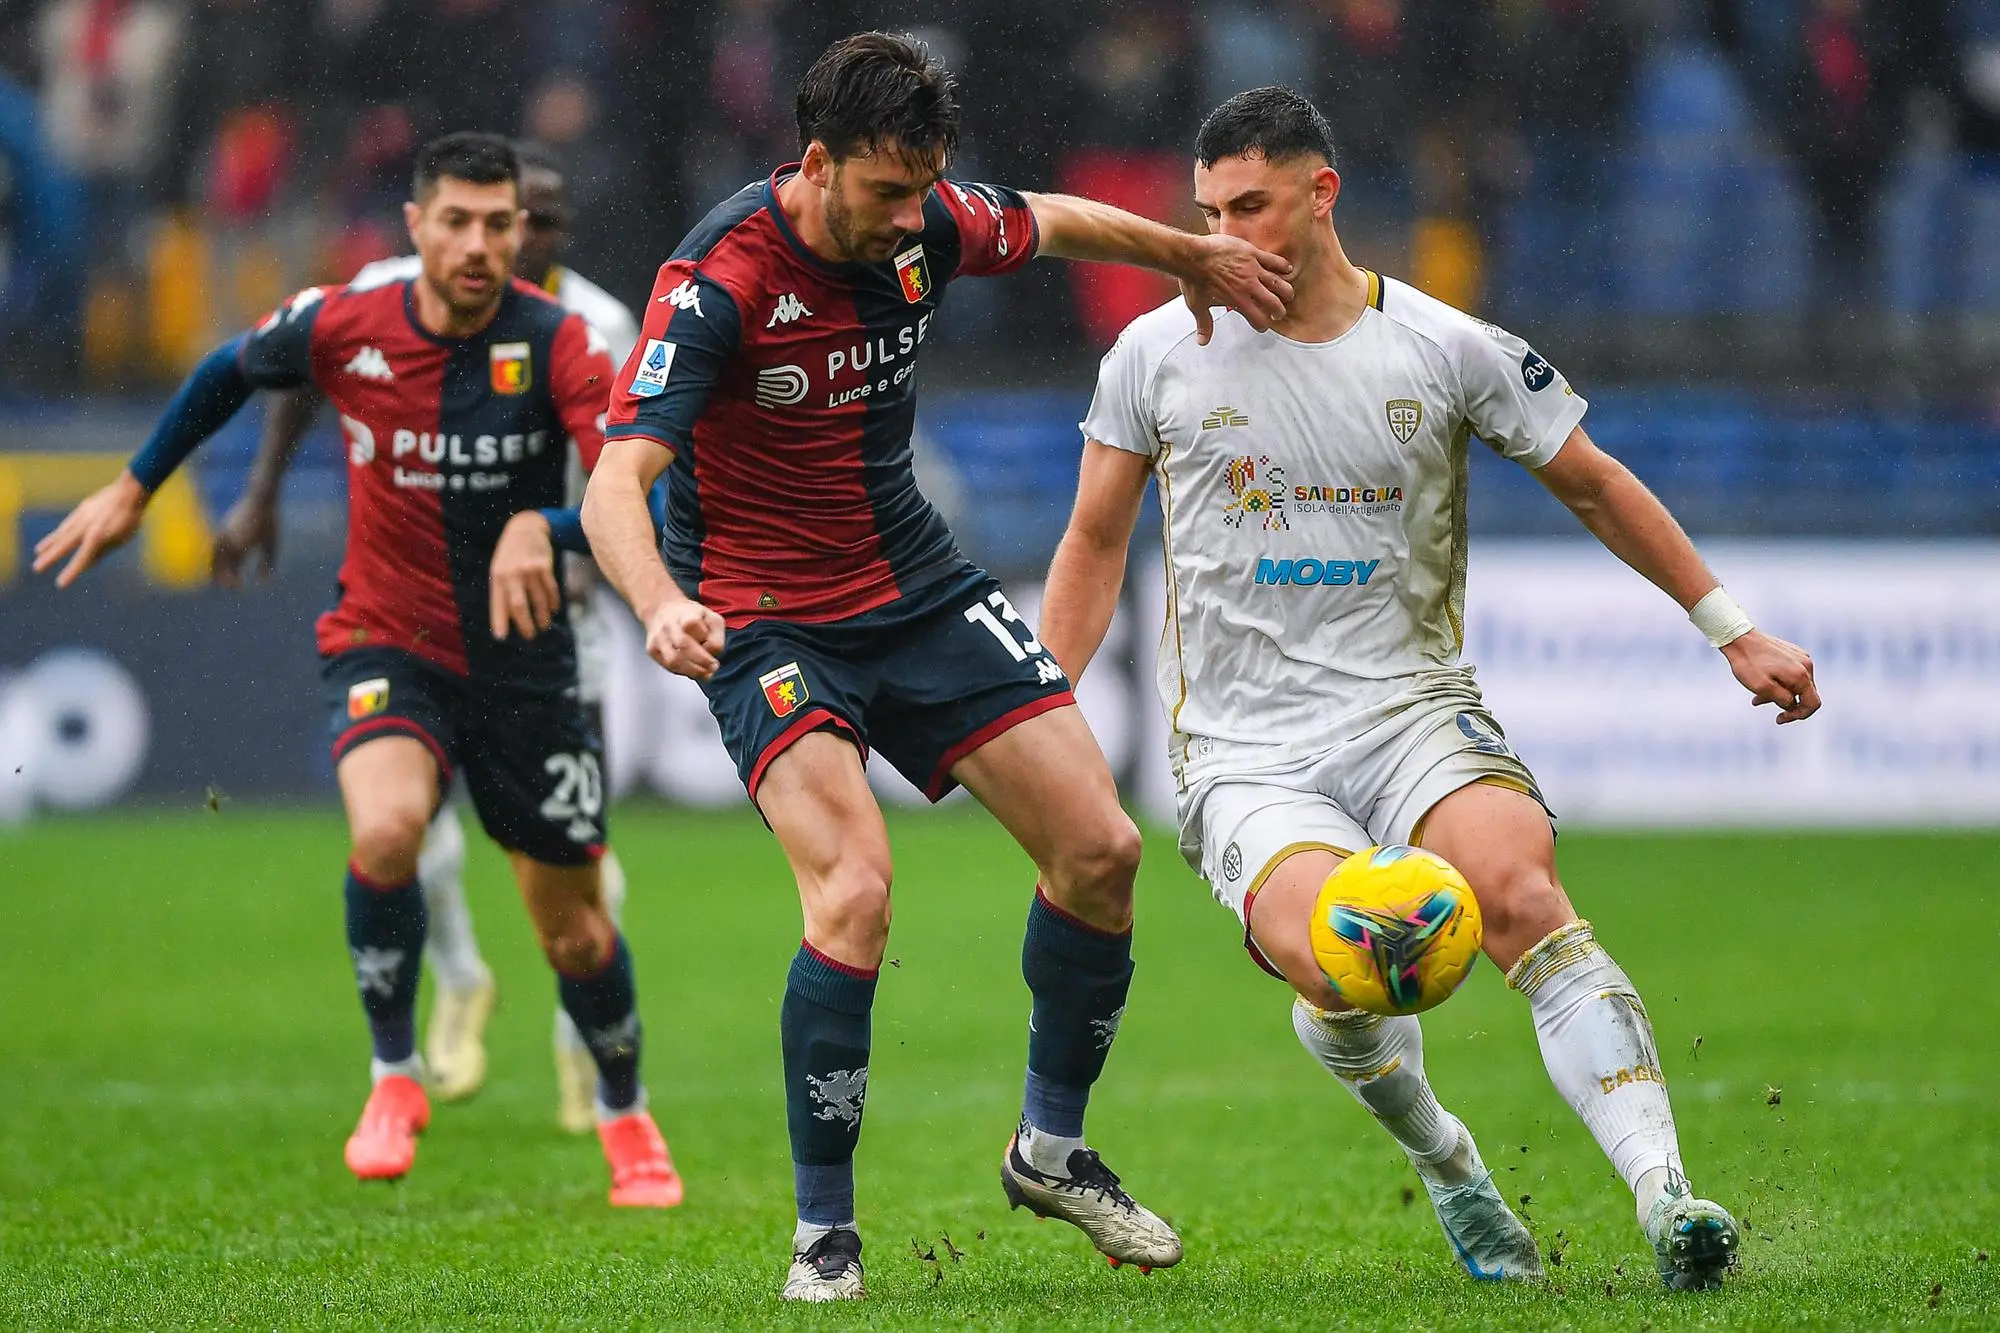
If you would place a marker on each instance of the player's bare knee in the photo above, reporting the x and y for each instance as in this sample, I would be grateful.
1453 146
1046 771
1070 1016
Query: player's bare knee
852 902
387 836
581 947
1093 871
1520 908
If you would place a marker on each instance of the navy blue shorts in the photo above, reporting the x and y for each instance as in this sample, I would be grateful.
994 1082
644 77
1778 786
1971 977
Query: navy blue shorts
926 680
532 763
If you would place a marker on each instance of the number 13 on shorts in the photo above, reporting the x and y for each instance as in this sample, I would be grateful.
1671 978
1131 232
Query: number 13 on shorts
1020 645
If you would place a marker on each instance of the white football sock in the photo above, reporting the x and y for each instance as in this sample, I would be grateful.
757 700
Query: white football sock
410 1068
1047 1153
449 944
1381 1061
568 1039
805 1233
1598 1045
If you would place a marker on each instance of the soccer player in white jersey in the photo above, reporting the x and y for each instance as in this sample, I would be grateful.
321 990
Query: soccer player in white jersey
454 1044
1313 480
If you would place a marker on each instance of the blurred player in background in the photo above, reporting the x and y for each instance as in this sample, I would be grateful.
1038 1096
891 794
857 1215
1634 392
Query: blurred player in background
775 378
454 1044
1314 486
449 647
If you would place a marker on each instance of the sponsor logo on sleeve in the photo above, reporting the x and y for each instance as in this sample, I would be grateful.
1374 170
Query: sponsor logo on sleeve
513 371
651 379
914 274
1536 373
784 689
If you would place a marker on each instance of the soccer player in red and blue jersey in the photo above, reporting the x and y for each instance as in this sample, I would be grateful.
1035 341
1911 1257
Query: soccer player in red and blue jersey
825 608
449 646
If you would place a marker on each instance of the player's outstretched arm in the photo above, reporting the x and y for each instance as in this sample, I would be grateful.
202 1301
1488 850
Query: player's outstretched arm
1629 519
251 525
1089 566
1213 270
107 519
682 635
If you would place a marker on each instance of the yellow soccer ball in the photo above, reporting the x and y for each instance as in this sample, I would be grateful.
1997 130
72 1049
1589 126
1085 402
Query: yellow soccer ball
1395 929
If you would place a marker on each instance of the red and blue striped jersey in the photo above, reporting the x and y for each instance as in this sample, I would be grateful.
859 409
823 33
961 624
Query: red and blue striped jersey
446 439
785 385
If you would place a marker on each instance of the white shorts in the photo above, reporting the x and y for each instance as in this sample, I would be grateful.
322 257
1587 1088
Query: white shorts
593 644
1374 789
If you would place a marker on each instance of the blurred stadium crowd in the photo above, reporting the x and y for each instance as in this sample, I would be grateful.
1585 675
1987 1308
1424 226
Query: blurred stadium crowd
1678 184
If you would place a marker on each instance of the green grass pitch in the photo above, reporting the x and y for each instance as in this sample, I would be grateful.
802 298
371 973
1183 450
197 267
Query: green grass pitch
181 1057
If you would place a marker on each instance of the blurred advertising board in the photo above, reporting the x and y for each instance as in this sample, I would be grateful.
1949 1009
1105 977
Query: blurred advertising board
114 690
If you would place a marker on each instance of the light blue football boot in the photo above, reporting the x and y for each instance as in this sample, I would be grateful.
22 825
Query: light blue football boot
1490 1242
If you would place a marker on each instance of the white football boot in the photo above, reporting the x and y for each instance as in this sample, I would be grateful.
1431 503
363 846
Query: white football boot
827 1270
1089 1198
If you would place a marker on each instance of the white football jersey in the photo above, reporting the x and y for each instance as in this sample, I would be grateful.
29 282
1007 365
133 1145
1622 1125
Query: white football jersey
1314 498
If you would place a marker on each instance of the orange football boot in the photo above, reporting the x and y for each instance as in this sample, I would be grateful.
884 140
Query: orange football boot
642 1174
384 1144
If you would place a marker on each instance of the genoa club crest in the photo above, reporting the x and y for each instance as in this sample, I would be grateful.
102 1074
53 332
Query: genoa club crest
784 689
367 698
914 274
512 370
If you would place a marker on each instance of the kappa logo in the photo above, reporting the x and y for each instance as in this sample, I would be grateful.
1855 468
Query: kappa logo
789 308
370 364
687 296
1257 488
781 386
1406 415
293 308
840 1095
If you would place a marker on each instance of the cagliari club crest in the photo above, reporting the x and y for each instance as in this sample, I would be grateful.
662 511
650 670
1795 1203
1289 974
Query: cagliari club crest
1405 415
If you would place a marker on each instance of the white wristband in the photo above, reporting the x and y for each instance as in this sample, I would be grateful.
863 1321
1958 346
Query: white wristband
1719 617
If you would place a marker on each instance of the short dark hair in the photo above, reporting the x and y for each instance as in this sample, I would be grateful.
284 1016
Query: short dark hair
1273 123
880 88
469 155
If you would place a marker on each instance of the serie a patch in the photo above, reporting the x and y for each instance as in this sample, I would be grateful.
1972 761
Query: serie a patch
367 698
784 689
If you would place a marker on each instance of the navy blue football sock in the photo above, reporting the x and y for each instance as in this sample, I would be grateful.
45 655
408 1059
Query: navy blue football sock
605 1008
385 937
1078 976
825 1024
